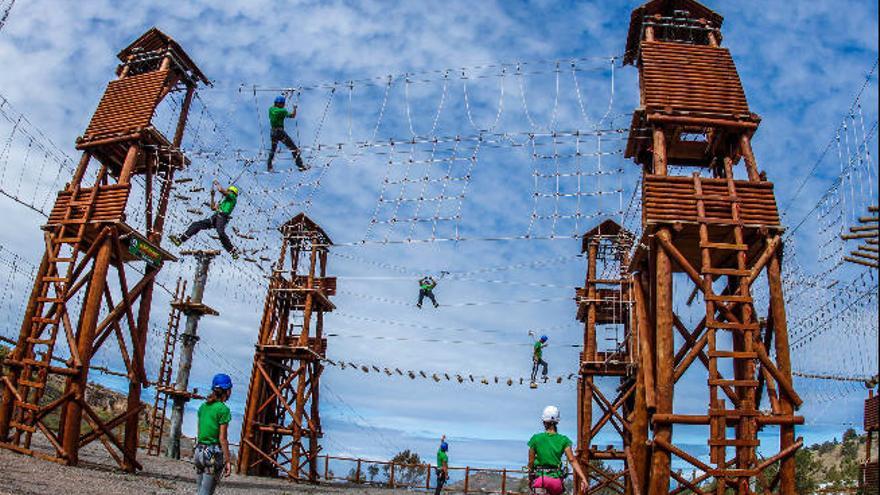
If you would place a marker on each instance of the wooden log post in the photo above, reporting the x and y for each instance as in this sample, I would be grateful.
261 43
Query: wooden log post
646 342
745 144
665 354
659 140
783 363
427 476
639 434
85 340
467 476
586 399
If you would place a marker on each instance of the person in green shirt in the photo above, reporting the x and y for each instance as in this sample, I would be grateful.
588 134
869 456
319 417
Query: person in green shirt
538 361
545 456
277 114
426 289
221 216
442 465
211 454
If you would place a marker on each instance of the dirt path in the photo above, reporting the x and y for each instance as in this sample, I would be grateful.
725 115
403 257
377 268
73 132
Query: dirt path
20 475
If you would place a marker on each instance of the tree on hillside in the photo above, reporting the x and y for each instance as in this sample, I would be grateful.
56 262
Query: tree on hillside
372 472
408 470
806 468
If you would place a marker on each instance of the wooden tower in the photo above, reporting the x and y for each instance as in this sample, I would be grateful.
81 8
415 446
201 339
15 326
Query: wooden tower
719 234
75 303
282 424
604 308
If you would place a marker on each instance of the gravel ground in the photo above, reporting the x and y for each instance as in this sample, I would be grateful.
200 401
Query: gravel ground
97 474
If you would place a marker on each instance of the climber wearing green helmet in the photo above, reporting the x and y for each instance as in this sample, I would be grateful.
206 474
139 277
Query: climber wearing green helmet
221 216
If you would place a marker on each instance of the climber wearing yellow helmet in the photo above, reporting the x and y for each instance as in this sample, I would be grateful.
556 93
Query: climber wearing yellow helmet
221 216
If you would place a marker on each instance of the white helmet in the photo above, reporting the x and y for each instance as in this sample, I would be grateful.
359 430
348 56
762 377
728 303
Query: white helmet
550 414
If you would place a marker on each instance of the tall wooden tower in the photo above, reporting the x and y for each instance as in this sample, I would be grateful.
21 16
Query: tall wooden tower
715 232
282 424
607 377
75 303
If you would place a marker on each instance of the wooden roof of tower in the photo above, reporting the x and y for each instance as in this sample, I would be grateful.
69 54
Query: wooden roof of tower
664 8
607 227
303 223
154 40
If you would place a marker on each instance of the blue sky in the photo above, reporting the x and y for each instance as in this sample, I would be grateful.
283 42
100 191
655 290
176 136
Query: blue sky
801 65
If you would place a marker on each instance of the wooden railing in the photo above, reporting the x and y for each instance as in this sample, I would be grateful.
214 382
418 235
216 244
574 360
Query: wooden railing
423 476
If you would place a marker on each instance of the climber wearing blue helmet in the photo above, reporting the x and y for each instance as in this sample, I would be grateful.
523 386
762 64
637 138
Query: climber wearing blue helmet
277 114
538 361
442 465
211 454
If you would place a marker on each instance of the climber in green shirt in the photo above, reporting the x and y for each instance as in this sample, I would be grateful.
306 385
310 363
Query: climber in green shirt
221 216
545 456
537 359
277 114
426 289
211 453
442 465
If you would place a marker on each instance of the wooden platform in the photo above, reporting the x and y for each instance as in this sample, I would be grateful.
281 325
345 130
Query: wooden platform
124 116
606 364
669 199
315 350
109 205
292 293
610 308
136 245
189 307
693 80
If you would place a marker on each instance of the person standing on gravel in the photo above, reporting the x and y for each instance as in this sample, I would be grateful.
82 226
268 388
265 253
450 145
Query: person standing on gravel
442 465
211 455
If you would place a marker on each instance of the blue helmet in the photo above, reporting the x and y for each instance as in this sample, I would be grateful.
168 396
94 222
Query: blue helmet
543 338
280 99
444 446
221 381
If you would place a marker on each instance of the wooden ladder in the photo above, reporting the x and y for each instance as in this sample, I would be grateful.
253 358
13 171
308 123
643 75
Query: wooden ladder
50 313
738 300
163 381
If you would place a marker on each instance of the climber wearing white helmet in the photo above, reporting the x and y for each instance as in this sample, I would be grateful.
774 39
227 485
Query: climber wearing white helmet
545 456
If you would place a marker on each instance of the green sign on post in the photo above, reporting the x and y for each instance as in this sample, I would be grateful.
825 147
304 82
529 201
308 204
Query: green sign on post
145 252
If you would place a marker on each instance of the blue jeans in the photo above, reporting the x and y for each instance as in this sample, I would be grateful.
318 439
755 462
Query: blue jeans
209 463
218 221
426 293
535 365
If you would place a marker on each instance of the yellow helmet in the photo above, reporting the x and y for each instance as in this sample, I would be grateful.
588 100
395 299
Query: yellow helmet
233 190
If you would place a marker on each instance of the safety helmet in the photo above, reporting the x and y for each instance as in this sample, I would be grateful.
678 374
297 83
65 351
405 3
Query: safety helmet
550 414
280 99
221 381
543 338
233 190
444 446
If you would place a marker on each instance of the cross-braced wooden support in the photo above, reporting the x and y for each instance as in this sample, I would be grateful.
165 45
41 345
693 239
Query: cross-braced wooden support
282 424
606 381
84 297
721 235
